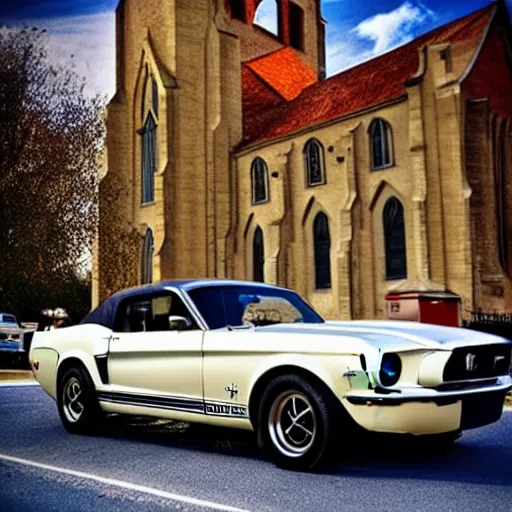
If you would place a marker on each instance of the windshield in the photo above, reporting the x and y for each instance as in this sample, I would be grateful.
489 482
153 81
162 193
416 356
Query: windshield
237 305
9 319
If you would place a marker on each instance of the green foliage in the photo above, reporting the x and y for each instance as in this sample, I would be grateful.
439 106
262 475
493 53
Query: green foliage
51 145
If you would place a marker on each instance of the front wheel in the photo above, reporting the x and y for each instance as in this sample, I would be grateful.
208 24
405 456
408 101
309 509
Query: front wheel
297 424
78 407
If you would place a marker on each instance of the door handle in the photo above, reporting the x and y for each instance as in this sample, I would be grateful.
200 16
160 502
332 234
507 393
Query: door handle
111 338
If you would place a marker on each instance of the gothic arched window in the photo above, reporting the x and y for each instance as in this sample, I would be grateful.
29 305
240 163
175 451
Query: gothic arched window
394 239
381 143
149 139
259 181
267 16
147 257
314 162
148 157
322 247
258 256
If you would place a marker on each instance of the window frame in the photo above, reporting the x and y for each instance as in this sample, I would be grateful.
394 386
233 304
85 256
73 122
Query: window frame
266 184
324 284
275 16
258 231
149 296
314 142
387 229
148 176
388 132
147 256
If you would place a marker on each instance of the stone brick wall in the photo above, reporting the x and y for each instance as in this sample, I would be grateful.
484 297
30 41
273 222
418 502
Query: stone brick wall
203 219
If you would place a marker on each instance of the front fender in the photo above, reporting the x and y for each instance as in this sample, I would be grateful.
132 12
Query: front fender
330 369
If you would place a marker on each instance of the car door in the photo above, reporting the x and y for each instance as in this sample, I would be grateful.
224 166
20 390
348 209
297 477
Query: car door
230 353
152 364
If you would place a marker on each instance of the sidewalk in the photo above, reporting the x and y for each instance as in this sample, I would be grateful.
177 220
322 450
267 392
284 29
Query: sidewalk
17 378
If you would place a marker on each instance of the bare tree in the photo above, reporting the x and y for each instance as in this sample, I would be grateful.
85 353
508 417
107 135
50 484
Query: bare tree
51 141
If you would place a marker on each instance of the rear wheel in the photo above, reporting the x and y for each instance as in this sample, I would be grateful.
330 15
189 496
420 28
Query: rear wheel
78 407
297 424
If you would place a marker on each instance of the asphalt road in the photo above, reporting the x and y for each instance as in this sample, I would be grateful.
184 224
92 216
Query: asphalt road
44 468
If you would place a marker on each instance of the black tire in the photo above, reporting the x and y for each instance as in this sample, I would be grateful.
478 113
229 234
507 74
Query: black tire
84 416
297 449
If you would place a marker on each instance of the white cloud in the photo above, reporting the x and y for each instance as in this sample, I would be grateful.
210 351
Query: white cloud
387 30
90 39
342 55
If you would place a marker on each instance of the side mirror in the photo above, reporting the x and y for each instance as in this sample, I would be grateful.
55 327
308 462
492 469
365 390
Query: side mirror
179 323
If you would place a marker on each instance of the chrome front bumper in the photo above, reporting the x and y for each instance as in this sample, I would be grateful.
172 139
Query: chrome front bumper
422 411
425 395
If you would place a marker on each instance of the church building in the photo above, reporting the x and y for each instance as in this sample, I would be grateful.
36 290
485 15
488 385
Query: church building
232 155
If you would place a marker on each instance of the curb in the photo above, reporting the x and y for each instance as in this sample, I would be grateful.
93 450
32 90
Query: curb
18 375
18 383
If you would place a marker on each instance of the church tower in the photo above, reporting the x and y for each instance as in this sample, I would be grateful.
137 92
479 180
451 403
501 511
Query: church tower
296 23
168 204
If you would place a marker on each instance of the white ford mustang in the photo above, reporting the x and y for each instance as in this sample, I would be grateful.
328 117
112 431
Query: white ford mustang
258 357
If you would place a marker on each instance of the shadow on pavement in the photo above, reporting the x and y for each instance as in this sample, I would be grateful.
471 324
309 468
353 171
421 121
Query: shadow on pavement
365 456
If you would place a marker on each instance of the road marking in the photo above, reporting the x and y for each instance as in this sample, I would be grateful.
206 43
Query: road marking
125 485
14 384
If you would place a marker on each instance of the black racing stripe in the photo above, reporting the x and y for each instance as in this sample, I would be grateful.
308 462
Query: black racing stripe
213 408
144 396
154 401
154 406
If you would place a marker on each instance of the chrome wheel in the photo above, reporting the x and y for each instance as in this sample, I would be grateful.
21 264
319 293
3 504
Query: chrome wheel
72 400
292 423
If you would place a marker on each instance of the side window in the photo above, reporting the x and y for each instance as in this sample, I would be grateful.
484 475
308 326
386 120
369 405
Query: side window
210 303
151 313
260 306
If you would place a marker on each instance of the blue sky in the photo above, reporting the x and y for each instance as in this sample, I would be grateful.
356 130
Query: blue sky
356 30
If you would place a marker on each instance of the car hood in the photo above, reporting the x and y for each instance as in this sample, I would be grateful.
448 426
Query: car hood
386 334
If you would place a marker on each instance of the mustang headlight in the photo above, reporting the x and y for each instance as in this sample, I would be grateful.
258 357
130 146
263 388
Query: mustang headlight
390 369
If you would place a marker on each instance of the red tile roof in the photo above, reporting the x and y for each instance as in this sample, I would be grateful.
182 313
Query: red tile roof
262 98
284 71
374 82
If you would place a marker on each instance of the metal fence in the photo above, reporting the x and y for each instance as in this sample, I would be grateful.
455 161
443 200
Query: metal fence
492 323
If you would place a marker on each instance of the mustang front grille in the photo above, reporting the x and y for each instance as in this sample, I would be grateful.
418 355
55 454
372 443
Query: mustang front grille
481 362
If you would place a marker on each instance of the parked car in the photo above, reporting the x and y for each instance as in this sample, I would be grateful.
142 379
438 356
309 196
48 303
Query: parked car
12 349
258 357
8 320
